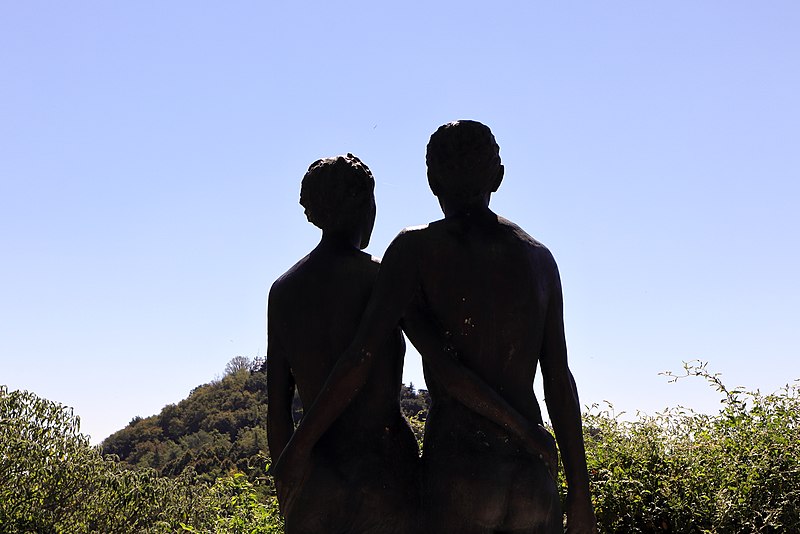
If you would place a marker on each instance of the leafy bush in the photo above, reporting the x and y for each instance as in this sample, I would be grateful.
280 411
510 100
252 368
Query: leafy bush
239 510
682 471
52 480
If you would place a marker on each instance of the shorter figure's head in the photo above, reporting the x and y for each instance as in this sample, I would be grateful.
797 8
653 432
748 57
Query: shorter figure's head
338 196
463 162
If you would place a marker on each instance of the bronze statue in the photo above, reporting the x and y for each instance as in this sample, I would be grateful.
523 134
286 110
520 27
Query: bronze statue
482 302
362 474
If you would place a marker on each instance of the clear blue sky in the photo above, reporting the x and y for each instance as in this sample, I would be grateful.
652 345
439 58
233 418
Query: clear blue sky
151 155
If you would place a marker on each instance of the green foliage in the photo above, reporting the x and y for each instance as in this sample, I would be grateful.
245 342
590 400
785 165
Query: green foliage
681 471
52 480
239 510
677 471
414 405
43 462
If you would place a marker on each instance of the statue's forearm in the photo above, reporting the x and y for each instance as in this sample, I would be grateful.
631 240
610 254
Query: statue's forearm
465 386
564 408
345 381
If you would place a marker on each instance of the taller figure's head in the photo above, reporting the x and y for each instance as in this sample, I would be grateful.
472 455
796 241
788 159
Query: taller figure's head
338 196
464 166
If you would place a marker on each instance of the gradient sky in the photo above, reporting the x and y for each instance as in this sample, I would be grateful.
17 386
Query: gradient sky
151 156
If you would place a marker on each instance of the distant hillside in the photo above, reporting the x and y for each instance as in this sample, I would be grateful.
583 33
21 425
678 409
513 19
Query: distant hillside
220 427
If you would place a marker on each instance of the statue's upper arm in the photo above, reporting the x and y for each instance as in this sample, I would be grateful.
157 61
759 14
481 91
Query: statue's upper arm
553 357
280 383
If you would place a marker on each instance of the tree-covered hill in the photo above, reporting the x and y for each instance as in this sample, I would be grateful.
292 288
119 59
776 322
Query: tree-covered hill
220 427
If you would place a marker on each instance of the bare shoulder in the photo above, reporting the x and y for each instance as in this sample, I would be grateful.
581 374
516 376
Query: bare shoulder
281 295
415 232
407 242
284 282
538 251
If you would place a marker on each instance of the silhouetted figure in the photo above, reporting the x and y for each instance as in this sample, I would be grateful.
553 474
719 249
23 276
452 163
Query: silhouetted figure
362 474
482 301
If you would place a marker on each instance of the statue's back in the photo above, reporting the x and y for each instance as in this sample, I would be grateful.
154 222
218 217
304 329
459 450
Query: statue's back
488 287
363 472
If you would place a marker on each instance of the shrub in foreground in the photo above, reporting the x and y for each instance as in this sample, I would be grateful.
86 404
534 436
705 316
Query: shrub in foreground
682 471
52 480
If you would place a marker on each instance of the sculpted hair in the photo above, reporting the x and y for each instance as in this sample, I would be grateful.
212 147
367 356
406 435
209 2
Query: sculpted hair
336 191
463 159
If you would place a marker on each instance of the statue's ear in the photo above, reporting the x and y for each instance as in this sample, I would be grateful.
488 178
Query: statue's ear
498 179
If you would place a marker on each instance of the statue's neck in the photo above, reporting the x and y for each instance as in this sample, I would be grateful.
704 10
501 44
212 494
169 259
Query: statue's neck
337 242
478 208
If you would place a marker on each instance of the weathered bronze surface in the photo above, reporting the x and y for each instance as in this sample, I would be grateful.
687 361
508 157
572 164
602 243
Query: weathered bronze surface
481 300
362 474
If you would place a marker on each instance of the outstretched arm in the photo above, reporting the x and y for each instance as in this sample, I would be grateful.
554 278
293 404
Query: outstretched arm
561 397
394 288
468 388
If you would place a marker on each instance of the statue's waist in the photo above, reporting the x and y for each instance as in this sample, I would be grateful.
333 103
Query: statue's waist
454 438
390 437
